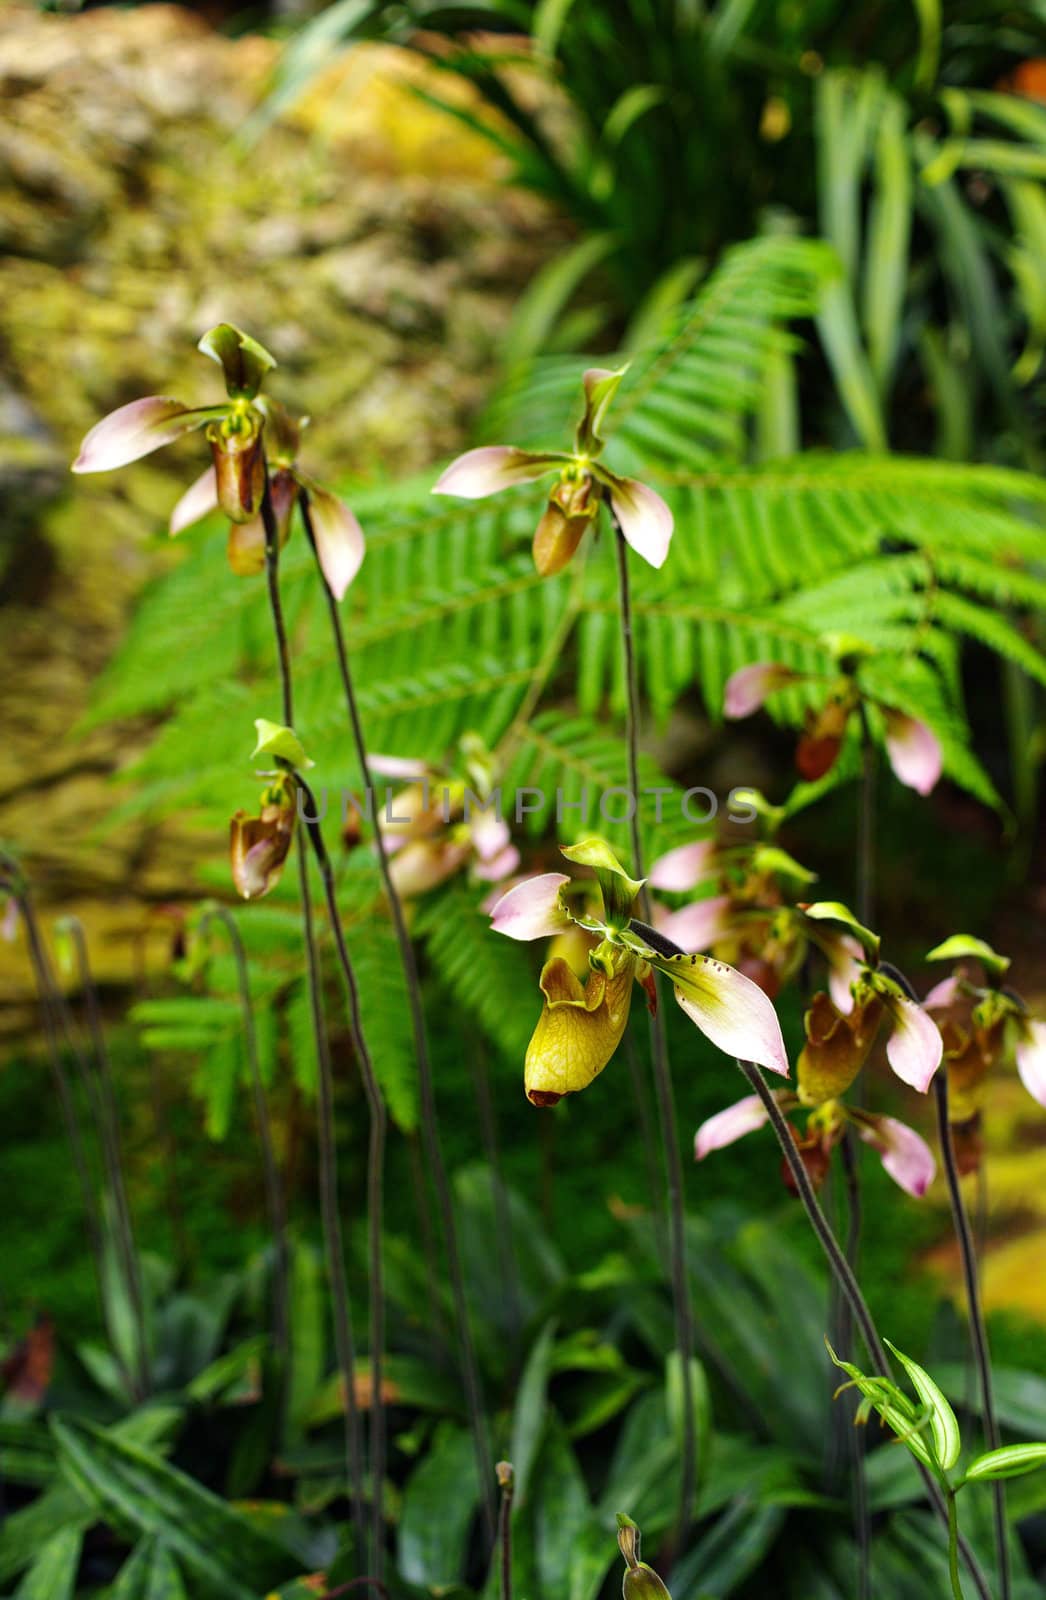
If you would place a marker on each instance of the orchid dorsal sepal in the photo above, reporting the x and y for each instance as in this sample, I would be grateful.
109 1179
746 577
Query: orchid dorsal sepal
281 744
835 911
944 1426
847 650
619 891
964 946
600 386
242 359
771 858
754 800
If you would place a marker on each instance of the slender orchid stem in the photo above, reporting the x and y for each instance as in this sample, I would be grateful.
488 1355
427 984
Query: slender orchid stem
506 1478
51 1007
866 823
275 1199
375 1174
953 1546
332 1235
853 1248
978 1330
851 1289
429 1115
107 1118
662 1071
334 1245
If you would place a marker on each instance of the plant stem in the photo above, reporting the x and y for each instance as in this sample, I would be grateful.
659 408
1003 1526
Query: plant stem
274 1196
850 1288
853 1246
334 1247
429 1115
978 1331
662 1071
332 1236
108 1122
866 824
505 1477
375 1181
953 1546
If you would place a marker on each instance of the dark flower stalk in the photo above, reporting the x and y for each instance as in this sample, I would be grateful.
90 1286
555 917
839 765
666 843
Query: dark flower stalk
849 1286
107 1118
429 1115
275 1199
662 1071
978 1330
333 1243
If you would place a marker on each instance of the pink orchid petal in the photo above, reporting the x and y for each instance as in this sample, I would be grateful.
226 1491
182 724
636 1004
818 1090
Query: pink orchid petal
732 1011
136 430
490 834
914 751
942 994
1031 1060
397 766
9 924
726 1127
643 517
532 910
198 501
494 467
914 1047
697 926
747 689
423 864
905 1155
339 540
498 867
683 868
845 959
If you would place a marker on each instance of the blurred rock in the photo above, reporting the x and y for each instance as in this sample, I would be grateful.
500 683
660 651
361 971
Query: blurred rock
367 239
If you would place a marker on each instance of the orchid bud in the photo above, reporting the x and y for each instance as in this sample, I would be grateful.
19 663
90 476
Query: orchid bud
570 511
259 846
640 1582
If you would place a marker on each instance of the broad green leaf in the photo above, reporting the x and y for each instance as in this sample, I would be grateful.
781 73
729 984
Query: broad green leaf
164 1581
528 1420
438 1504
52 1575
944 1426
137 1492
1009 1462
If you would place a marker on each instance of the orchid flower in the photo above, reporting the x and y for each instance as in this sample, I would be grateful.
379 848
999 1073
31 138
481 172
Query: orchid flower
259 846
904 1153
582 483
982 1024
747 921
913 749
914 1047
241 431
442 823
582 1023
